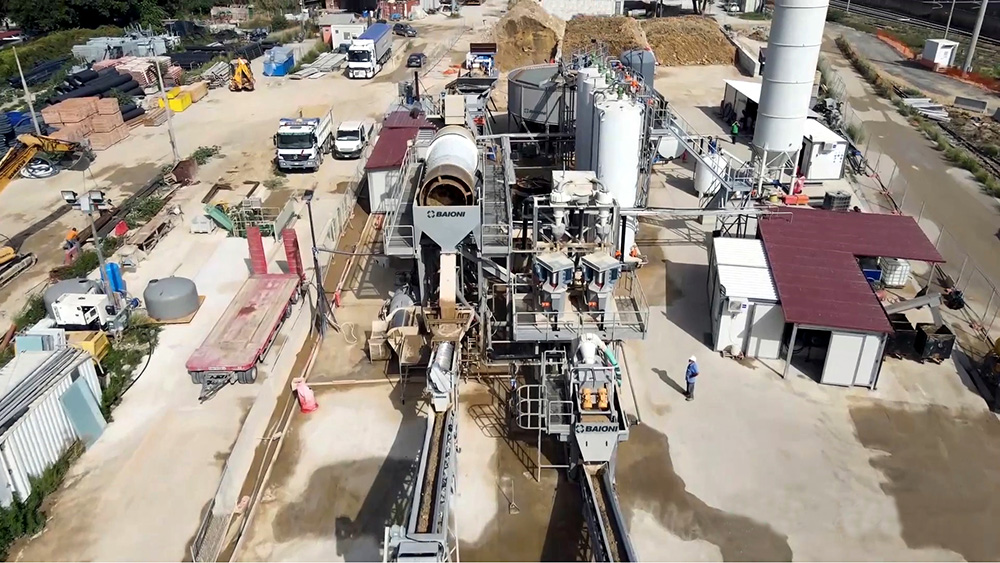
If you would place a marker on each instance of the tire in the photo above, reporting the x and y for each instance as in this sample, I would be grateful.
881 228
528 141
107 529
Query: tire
247 377
198 377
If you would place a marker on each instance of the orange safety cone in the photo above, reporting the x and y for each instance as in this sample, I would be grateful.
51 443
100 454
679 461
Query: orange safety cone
306 397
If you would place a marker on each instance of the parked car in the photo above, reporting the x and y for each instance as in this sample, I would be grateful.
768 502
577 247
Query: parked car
404 29
732 8
416 60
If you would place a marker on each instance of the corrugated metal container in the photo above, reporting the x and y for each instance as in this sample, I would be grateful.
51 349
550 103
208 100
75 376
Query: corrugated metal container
278 61
743 269
36 426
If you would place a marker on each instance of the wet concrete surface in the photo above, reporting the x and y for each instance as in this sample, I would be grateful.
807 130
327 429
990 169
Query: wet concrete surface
646 481
353 501
942 467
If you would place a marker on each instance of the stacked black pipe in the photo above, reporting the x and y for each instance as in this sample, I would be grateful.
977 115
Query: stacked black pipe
199 55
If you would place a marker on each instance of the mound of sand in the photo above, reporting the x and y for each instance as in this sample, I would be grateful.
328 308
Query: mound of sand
527 35
618 33
688 40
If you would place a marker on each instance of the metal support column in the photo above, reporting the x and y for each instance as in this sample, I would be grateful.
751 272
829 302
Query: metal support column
791 349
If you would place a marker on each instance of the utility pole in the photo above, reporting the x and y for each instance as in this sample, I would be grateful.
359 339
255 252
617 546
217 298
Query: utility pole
170 113
27 94
848 10
321 305
975 36
947 27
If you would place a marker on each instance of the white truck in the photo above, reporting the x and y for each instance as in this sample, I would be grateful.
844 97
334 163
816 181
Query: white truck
370 51
301 141
351 139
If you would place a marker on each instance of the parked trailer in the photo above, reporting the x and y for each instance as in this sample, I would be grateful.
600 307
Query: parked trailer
241 338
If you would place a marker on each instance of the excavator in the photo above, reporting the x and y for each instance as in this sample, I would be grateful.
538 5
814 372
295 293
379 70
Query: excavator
34 156
242 76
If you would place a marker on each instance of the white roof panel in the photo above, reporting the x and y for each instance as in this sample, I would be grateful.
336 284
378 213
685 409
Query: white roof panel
749 89
820 133
743 268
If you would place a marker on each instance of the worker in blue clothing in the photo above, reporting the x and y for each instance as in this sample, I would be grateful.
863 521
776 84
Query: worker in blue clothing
689 377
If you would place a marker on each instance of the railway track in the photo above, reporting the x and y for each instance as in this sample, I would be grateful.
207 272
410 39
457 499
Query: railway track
991 164
894 17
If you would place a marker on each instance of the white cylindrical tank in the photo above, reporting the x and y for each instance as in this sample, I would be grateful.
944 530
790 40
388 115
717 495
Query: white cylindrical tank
587 156
450 168
792 53
583 113
618 139
705 182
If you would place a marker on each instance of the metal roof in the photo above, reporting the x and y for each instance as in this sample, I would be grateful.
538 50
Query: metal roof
819 133
390 148
403 120
813 256
26 391
743 269
751 90
338 19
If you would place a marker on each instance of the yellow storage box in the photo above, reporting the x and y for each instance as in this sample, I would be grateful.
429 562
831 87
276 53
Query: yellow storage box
178 100
94 342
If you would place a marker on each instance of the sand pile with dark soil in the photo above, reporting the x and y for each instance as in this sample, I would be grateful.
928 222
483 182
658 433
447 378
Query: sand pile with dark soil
618 33
527 35
688 40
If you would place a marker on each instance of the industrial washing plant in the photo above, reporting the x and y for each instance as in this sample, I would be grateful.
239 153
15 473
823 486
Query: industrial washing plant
519 258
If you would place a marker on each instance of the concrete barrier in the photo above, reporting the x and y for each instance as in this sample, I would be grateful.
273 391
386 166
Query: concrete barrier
971 104
746 62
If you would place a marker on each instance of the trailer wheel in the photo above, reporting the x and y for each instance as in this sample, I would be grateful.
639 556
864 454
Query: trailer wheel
248 376
288 311
198 377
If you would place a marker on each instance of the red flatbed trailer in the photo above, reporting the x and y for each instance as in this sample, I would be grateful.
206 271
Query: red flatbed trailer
242 336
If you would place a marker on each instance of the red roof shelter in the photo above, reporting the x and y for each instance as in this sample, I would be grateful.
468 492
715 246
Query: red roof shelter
814 261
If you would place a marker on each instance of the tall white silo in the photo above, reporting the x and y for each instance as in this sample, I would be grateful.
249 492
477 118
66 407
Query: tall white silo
792 53
584 115
617 152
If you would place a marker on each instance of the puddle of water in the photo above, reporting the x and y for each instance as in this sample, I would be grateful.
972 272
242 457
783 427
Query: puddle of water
647 481
943 470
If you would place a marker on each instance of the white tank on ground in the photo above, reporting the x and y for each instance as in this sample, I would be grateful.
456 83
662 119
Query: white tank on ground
705 182
792 53
619 134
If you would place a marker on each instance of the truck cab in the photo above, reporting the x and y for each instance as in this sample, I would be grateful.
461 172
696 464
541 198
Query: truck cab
351 139
301 141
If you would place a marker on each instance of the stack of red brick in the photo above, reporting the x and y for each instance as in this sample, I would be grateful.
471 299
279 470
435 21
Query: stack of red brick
99 120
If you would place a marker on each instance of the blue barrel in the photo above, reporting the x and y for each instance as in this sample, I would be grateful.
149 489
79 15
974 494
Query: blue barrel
115 279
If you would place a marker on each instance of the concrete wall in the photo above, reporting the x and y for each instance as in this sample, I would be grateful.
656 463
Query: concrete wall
746 61
566 9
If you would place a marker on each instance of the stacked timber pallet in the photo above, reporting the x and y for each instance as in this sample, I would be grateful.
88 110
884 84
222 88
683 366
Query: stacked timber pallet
96 119
108 127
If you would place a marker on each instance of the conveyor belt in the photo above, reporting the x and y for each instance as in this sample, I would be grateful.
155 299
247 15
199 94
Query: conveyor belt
428 490
608 534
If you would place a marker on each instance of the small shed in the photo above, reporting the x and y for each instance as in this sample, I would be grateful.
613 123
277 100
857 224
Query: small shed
746 314
939 53
740 101
838 325
338 29
50 400
824 153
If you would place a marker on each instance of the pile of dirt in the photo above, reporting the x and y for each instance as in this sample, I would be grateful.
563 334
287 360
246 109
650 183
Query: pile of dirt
526 35
688 40
617 33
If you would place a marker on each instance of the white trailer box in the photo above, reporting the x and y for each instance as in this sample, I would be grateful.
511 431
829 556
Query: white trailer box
824 153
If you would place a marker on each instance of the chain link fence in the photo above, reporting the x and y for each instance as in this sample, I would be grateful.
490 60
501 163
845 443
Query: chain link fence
882 186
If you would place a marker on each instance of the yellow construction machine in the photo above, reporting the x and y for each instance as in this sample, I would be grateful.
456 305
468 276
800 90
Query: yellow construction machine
34 156
242 76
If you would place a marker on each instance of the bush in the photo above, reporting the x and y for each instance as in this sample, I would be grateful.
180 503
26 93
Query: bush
52 46
144 210
124 357
32 312
203 154
856 133
24 518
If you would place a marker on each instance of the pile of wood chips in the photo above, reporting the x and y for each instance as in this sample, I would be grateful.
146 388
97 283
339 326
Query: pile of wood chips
688 40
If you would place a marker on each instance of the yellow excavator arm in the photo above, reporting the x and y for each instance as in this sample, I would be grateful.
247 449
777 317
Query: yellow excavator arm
242 76
27 147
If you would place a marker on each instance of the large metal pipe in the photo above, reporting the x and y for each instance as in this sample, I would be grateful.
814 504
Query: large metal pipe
450 168
792 53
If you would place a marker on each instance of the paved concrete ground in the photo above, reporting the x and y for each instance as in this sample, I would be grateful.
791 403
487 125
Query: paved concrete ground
934 84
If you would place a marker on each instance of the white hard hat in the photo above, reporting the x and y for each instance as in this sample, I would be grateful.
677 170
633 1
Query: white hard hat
692 359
